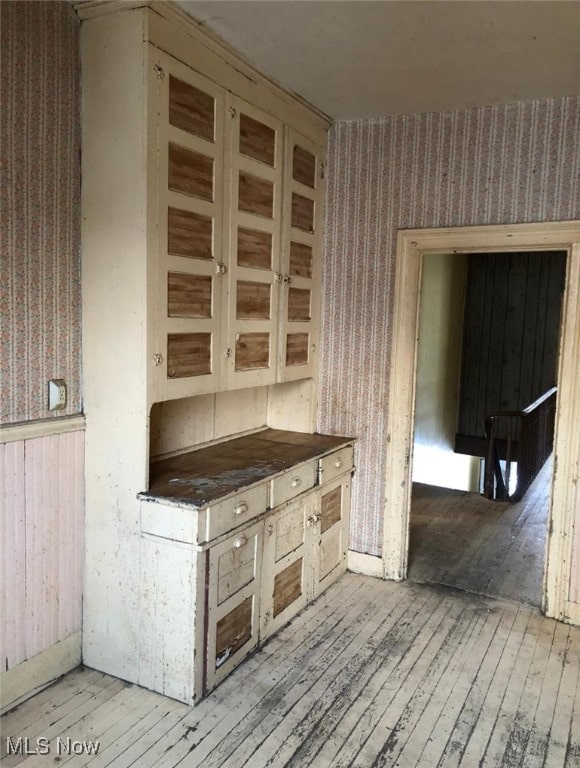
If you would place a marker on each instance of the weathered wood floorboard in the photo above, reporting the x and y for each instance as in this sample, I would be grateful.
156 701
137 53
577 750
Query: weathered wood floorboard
375 674
464 541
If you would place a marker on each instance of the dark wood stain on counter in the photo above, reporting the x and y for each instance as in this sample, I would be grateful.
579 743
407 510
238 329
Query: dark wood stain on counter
204 475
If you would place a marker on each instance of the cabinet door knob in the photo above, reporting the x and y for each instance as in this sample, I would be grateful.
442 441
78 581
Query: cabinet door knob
313 519
240 542
241 508
295 482
338 463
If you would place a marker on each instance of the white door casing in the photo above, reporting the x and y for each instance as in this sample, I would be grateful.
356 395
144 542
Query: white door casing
412 246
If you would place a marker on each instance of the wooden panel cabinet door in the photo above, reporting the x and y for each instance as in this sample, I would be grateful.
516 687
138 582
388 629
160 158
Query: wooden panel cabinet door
187 206
333 515
301 254
254 201
233 602
287 563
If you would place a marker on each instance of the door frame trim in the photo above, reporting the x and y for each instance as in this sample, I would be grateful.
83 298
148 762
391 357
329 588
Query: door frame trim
412 246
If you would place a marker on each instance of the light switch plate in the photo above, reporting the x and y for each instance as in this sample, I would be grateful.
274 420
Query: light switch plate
56 394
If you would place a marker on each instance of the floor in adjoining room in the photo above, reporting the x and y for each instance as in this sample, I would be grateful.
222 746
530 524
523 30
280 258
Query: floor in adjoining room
374 673
465 541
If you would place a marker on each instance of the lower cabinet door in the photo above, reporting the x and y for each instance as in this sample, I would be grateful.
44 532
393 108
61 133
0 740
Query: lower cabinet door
333 528
286 565
233 607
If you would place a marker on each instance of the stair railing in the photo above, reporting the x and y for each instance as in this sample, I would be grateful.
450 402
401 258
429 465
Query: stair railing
521 437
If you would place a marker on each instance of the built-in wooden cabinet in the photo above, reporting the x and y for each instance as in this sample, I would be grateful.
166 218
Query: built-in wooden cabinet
202 210
188 179
263 551
240 205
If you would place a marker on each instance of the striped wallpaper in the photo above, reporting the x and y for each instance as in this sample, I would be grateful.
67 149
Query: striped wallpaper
492 165
40 207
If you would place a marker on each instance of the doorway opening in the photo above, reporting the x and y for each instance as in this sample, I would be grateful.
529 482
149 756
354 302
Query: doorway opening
559 598
489 326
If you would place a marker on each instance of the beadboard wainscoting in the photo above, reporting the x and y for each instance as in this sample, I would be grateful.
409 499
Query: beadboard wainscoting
41 530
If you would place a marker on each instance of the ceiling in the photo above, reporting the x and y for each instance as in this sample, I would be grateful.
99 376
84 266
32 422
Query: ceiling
371 58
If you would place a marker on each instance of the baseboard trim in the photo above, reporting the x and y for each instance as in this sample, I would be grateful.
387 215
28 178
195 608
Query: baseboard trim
572 613
25 679
368 565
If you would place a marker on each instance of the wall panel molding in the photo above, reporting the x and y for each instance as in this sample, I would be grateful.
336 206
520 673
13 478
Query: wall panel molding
27 430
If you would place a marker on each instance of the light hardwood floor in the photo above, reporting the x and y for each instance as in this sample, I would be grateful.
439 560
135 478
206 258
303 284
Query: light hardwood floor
372 674
467 542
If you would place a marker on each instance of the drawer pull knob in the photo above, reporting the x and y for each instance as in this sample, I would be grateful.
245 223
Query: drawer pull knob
240 542
338 463
296 481
241 508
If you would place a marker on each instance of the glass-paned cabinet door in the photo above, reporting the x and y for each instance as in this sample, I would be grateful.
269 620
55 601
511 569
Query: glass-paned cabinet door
301 253
189 136
254 143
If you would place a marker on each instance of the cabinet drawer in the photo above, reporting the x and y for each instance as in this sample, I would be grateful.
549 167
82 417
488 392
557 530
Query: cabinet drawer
235 511
336 464
293 483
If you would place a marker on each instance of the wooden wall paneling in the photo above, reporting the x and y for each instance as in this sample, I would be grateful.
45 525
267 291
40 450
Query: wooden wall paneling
42 519
486 358
189 130
301 250
510 392
13 646
493 375
254 143
530 324
511 331
557 264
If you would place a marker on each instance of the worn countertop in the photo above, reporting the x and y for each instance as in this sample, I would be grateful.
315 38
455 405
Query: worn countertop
202 476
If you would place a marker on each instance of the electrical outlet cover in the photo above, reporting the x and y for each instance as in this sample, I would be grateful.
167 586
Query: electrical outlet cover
56 394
